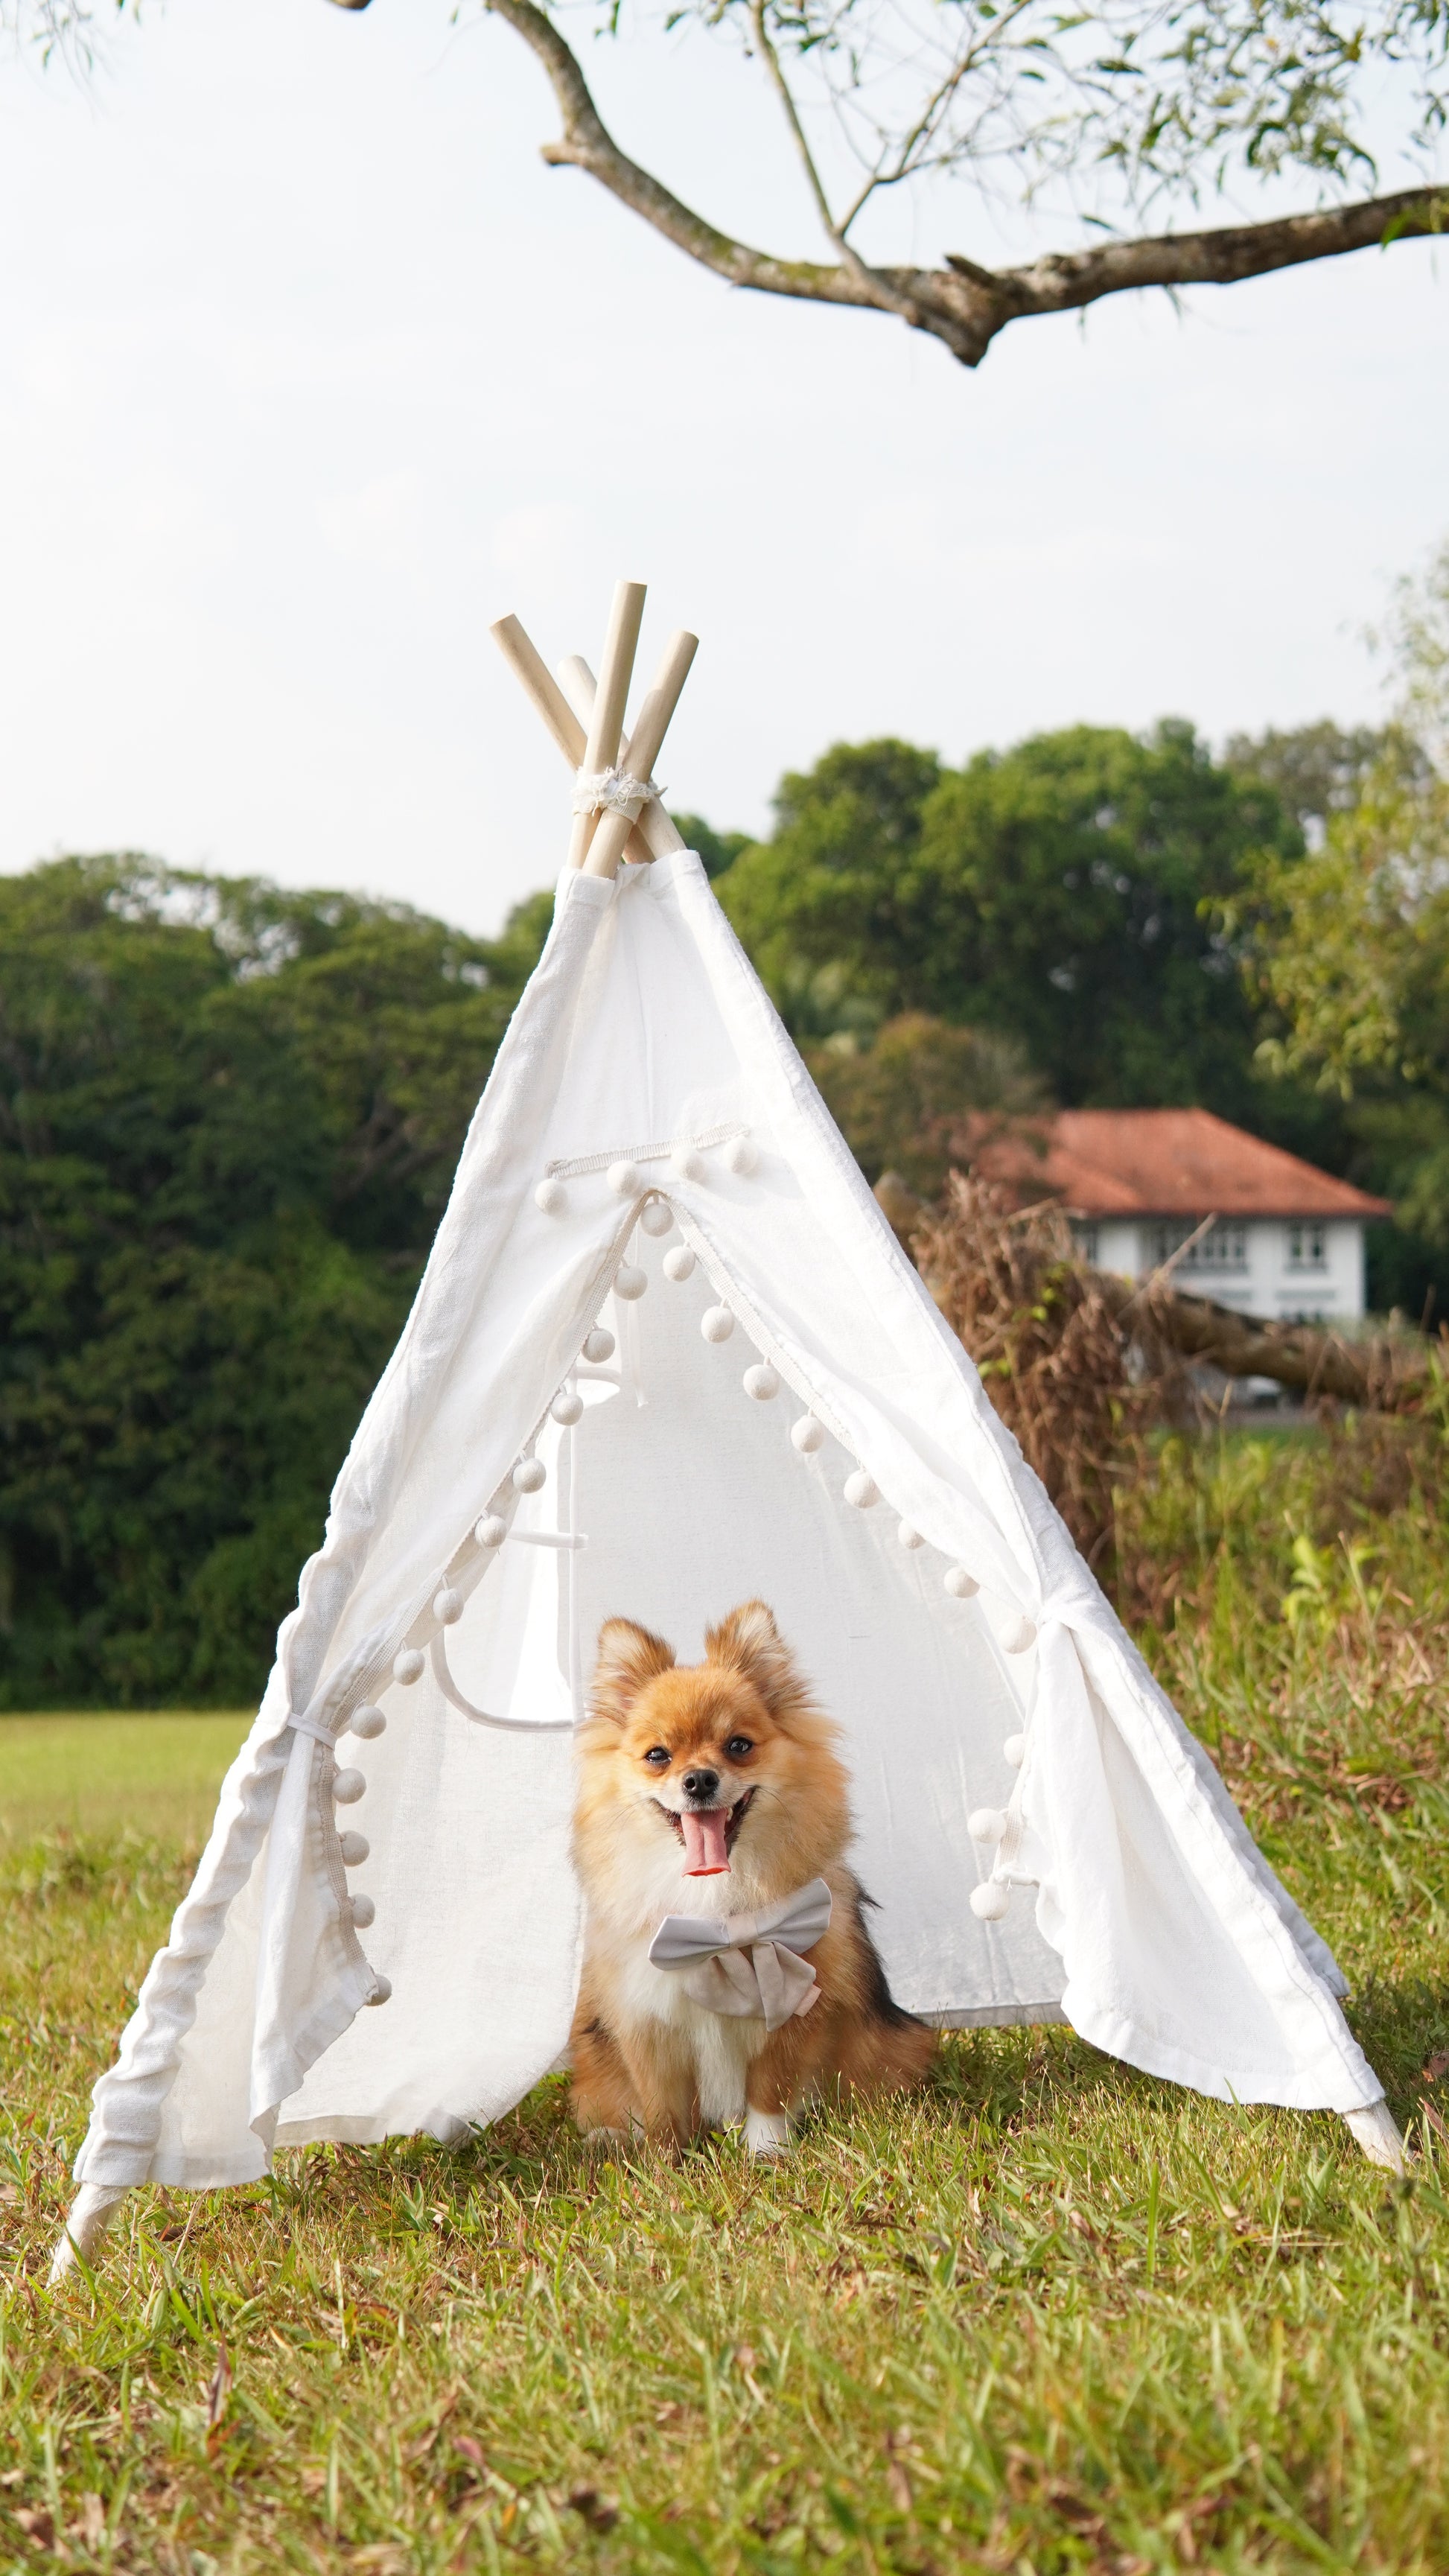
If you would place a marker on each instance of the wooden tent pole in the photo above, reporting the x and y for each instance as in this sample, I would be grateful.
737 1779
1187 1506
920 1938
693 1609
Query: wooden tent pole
607 721
606 848
540 685
578 685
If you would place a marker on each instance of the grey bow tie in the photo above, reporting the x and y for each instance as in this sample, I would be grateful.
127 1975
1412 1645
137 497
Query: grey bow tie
747 1965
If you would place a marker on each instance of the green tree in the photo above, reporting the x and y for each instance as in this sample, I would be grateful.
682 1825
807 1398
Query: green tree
1351 950
228 1123
719 850
829 889
921 1097
1314 770
1060 893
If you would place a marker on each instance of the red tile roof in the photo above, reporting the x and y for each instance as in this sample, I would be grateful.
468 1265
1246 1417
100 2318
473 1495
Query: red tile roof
1166 1162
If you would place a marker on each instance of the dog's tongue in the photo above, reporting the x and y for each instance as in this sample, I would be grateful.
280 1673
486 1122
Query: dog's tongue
704 1842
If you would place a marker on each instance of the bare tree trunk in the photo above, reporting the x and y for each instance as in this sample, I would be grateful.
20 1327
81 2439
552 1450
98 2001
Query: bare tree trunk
1388 1375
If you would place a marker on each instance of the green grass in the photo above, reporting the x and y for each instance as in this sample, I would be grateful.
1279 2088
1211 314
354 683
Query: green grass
98 1775
1051 2316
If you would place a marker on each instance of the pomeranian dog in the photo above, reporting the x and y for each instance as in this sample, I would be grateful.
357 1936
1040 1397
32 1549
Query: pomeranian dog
713 1792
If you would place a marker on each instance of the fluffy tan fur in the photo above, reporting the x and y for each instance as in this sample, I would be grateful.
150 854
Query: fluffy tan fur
645 2055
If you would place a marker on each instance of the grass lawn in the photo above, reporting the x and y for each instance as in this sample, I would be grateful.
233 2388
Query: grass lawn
1051 2316
103 1775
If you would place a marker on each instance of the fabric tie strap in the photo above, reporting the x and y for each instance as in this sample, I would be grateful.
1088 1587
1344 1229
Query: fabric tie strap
612 791
317 1728
748 1965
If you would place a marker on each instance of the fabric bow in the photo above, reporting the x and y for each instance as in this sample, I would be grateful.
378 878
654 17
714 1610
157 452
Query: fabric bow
748 1965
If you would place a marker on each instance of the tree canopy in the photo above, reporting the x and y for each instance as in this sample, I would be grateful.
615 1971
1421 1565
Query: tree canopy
920 1096
229 1118
1314 770
1062 893
1350 947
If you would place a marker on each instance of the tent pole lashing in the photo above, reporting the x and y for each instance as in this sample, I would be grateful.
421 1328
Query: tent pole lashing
586 720
645 744
563 722
653 836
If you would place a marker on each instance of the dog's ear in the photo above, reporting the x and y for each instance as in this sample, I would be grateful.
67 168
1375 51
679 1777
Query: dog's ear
749 1642
629 1656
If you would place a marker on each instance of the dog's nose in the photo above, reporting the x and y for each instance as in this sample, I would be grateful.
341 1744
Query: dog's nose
700 1784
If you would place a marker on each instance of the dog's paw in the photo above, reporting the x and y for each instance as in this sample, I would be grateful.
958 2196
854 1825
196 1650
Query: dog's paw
603 2142
767 2133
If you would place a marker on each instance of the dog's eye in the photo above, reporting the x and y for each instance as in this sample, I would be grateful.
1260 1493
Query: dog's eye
738 1746
656 1754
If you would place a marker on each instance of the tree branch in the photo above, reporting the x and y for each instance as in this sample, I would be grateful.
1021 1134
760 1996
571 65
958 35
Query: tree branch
791 114
878 286
963 305
586 144
1064 280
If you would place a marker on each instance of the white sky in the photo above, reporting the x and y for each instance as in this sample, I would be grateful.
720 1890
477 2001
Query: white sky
309 368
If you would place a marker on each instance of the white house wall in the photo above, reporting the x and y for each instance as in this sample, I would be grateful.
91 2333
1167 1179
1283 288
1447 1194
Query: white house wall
1268 1281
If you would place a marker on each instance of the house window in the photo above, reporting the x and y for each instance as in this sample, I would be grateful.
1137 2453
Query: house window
1088 1240
1222 1248
1306 1249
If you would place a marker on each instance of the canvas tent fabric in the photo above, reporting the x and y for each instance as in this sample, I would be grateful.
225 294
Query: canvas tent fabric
645 1074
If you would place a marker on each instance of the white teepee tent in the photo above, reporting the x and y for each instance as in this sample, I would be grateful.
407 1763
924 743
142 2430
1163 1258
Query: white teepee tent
667 1354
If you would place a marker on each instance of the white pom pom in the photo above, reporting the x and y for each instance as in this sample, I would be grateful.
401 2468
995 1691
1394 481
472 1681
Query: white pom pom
1014 1751
567 1407
908 1536
367 1722
861 1490
762 1382
741 1155
552 1197
629 1281
448 1606
808 1435
363 1911
381 1991
598 1345
986 1824
354 1849
407 1667
679 1263
348 1787
530 1475
624 1178
716 1323
990 1902
959 1583
1017 1634
657 1217
491 1531
687 1163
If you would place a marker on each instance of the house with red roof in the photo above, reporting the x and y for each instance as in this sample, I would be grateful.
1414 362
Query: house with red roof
1235 1220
